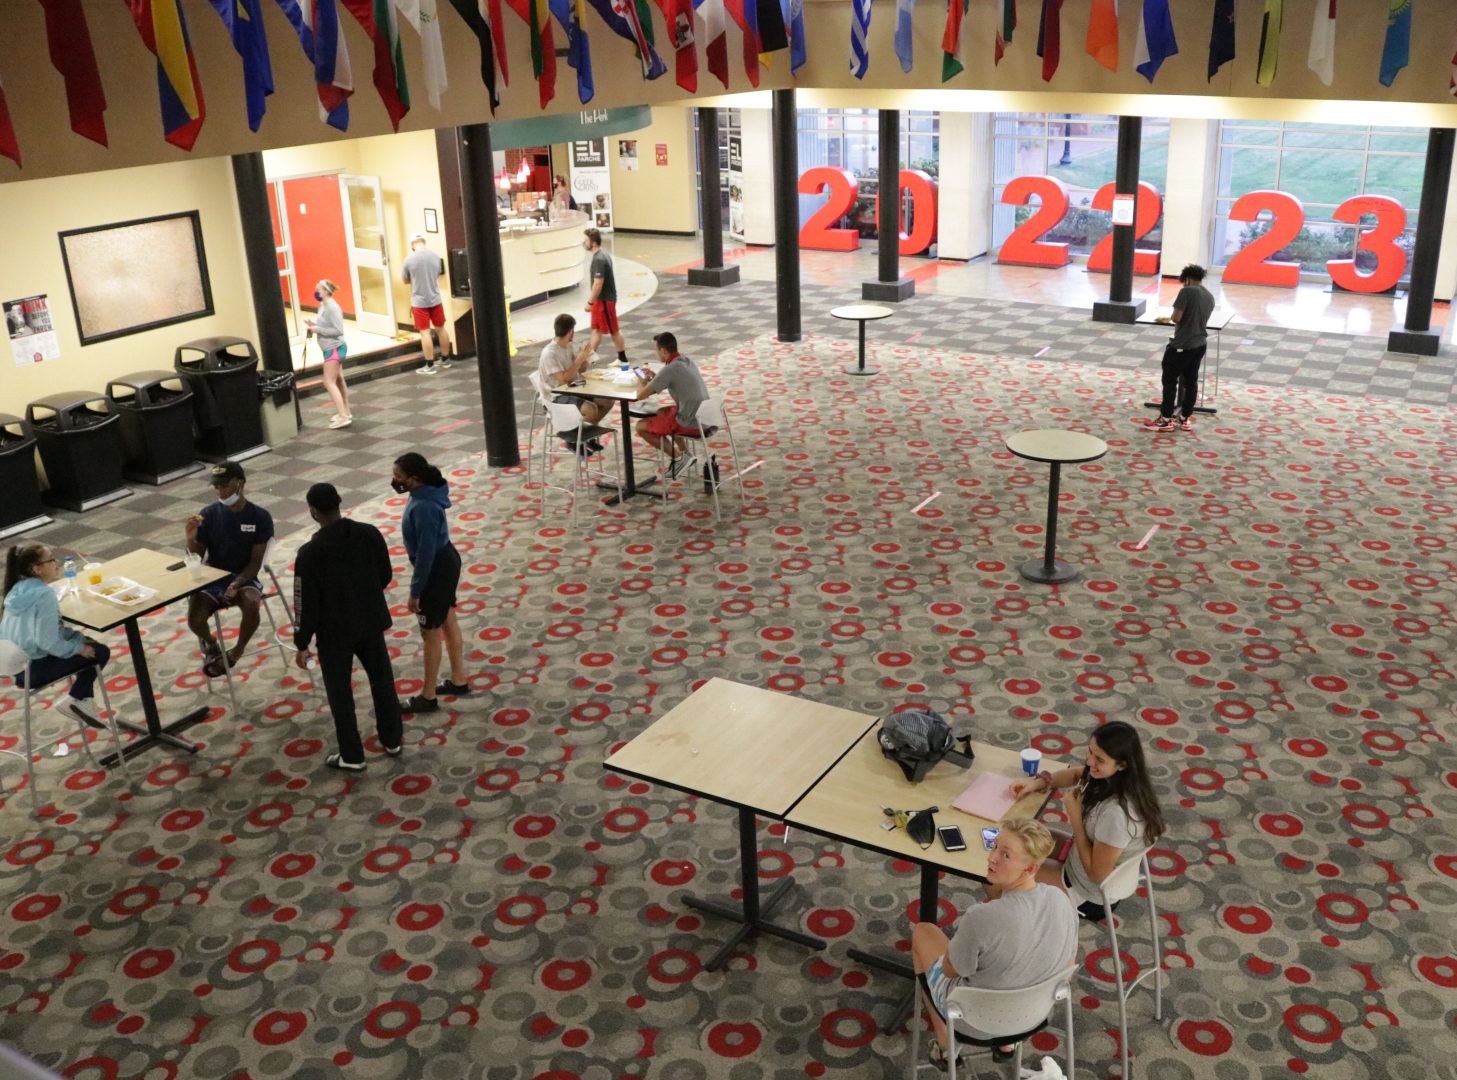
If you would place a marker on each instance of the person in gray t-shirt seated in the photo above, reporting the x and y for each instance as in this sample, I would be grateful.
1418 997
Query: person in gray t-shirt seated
665 429
1025 936
559 366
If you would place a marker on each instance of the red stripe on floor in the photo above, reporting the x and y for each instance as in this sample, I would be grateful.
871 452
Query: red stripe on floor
450 427
731 253
930 270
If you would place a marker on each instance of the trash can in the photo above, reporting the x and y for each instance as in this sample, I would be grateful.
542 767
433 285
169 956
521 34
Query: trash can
220 372
80 448
154 415
21 508
278 406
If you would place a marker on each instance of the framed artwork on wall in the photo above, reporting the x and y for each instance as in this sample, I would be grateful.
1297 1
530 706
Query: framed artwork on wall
137 275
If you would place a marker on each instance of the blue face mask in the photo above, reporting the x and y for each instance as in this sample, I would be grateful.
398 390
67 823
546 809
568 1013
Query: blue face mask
318 295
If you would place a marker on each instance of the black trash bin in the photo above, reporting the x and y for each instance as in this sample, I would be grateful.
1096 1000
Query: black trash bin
21 508
154 412
222 374
80 447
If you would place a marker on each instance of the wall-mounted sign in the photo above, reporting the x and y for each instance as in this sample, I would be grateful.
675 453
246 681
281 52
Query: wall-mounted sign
735 177
818 232
592 181
660 151
1123 209
627 154
32 335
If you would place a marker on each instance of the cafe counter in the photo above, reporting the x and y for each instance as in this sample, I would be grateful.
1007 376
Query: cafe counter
542 258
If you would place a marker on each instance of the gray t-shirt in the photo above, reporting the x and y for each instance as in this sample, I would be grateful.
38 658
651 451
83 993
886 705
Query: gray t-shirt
1017 940
1197 304
555 359
602 268
1108 824
681 378
421 271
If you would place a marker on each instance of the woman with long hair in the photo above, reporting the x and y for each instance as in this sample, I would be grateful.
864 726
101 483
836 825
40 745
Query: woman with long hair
434 579
329 329
32 620
1111 808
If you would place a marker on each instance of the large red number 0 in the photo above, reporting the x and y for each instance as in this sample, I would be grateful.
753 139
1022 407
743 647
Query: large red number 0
923 202
1380 241
1248 265
816 232
1150 209
1025 245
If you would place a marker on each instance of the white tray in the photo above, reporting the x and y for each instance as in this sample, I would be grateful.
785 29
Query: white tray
122 590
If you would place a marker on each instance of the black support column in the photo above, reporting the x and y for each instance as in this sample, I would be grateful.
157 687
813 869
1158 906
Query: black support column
1417 336
786 214
1120 306
256 215
488 294
710 195
890 286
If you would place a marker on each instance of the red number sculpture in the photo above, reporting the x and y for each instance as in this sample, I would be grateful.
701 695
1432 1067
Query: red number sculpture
1380 241
1249 265
923 199
816 232
1150 209
1025 246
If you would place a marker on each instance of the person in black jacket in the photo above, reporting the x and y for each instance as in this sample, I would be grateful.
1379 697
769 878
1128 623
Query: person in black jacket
340 578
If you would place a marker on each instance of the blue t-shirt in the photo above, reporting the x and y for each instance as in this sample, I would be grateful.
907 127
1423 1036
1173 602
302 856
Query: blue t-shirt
229 537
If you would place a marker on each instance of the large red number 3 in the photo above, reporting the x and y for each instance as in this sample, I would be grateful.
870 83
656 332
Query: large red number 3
816 232
1248 265
1150 209
1025 245
923 201
1380 241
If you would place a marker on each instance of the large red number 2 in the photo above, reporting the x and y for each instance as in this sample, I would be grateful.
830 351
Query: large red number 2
816 232
923 202
1150 209
1248 265
1025 245
1380 241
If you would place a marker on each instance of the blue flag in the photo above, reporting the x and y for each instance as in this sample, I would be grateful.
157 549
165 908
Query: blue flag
794 17
652 63
903 43
1397 50
579 53
318 33
1221 36
859 35
244 20
1155 42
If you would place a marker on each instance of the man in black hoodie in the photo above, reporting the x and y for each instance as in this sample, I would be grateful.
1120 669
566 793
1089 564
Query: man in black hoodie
340 578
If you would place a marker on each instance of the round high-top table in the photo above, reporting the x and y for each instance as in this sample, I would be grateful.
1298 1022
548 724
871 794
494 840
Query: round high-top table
1057 448
862 313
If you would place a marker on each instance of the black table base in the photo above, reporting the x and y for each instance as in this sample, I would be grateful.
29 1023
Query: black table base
1053 572
154 734
860 368
930 883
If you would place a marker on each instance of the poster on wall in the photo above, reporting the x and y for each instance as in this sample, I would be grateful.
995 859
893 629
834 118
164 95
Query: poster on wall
661 153
592 182
627 154
32 335
735 176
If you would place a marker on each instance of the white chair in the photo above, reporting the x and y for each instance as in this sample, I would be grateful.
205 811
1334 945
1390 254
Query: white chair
1118 886
274 591
1015 1014
15 666
711 420
565 421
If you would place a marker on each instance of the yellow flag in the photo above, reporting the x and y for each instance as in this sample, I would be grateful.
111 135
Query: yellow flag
1270 41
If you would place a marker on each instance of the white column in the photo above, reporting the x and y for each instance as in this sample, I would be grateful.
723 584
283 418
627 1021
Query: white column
1447 260
1189 190
963 218
758 176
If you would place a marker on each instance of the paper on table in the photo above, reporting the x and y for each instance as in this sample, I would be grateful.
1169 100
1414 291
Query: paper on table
989 796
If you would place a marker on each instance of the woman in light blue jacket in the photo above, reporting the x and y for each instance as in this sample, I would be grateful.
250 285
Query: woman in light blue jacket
32 620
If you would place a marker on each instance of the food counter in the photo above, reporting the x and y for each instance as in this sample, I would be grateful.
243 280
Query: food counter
539 259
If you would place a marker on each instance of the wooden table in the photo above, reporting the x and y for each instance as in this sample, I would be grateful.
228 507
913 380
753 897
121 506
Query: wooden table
149 568
1163 316
1057 448
600 382
752 749
847 805
861 313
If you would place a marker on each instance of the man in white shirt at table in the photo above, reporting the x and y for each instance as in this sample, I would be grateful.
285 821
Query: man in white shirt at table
558 366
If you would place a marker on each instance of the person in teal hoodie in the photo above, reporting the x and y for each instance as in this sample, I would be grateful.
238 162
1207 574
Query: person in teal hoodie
434 579
32 620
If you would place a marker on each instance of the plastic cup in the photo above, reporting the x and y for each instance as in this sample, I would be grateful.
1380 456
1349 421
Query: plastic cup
1031 761
194 563
93 573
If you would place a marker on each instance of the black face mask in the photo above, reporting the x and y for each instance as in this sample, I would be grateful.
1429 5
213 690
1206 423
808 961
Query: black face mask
399 486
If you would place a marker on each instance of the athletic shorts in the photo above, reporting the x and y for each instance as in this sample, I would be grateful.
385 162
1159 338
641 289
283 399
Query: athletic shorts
426 317
664 422
1090 910
604 316
338 353
438 597
215 590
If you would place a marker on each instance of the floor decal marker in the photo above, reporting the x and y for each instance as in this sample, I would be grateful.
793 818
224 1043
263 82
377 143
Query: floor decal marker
450 427
1040 351
1146 538
929 498
750 469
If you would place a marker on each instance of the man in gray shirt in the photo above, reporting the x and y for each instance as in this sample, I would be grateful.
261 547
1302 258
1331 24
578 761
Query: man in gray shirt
421 271
602 299
665 429
1192 308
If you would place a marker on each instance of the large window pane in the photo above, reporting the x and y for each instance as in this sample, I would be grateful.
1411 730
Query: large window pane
1326 140
1397 175
1245 169
1252 136
1320 179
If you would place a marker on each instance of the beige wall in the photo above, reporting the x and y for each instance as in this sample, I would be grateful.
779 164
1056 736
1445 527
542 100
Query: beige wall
35 212
660 198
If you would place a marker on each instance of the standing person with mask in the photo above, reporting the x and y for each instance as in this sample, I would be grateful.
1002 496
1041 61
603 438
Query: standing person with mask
340 579
602 303
329 329
422 271
435 578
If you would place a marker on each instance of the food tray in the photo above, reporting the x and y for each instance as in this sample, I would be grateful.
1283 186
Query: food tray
122 590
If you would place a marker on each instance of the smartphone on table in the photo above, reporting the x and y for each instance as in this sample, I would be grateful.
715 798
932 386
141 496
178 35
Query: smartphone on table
951 838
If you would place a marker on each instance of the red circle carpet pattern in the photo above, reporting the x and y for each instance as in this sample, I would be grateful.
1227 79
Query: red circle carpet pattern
495 905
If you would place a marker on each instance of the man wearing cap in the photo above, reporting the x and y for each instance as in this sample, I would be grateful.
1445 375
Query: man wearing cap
421 271
340 578
231 534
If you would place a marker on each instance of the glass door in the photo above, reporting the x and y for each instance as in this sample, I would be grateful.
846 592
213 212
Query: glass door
369 257
283 252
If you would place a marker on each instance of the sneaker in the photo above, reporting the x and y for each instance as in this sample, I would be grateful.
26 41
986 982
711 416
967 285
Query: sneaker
341 421
212 663
1164 423
395 751
677 465
446 361
82 711
1186 424
336 761
428 369
419 704
450 689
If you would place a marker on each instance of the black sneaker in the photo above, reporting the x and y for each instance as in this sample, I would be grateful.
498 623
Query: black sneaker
419 704
450 689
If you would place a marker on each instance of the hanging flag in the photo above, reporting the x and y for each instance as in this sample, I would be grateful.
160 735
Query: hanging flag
904 10
164 32
1221 36
543 48
244 20
1397 50
377 19
492 15
424 18
1049 38
951 64
570 14
746 14
859 37
1155 42
678 14
623 19
715 38
9 144
798 44
471 14
1005 28
1322 59
316 22
69 40
773 34
1270 41
1103 33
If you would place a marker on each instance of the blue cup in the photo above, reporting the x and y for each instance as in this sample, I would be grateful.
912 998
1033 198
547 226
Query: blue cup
1031 761
989 837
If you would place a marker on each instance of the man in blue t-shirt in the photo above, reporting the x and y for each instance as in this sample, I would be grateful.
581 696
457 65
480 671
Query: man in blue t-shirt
231 534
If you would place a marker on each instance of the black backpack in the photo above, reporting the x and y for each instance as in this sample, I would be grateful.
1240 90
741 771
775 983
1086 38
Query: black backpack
915 739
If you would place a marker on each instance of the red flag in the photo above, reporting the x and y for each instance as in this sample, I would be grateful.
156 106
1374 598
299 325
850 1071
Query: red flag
498 36
9 144
384 76
750 28
69 40
543 48
678 14
716 39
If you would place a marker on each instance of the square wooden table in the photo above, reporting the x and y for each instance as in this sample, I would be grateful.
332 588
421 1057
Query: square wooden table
600 382
149 568
755 750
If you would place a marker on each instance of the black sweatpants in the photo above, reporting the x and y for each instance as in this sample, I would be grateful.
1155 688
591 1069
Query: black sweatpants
1181 380
336 664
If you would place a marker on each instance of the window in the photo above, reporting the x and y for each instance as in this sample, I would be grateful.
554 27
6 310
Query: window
850 139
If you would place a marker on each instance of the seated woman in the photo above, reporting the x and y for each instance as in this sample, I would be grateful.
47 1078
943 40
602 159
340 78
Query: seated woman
1112 811
32 620
1027 934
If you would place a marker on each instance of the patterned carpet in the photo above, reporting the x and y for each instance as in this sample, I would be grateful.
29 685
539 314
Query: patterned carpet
495 905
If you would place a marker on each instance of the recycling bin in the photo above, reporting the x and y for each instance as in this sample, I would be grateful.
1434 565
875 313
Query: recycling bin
79 440
154 415
278 406
21 507
222 375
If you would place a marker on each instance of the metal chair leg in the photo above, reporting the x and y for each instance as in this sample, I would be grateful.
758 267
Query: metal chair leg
227 667
30 754
1118 987
111 723
273 627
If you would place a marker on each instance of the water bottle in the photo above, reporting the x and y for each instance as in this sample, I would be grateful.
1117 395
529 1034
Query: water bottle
68 571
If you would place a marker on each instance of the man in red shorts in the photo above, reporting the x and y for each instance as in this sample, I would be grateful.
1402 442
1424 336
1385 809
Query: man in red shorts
422 271
603 301
681 378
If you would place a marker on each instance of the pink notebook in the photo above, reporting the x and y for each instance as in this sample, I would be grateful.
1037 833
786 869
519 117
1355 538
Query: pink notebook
989 796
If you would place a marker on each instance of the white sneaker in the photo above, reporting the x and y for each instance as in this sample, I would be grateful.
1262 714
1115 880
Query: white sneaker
82 711
341 421
428 369
445 362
